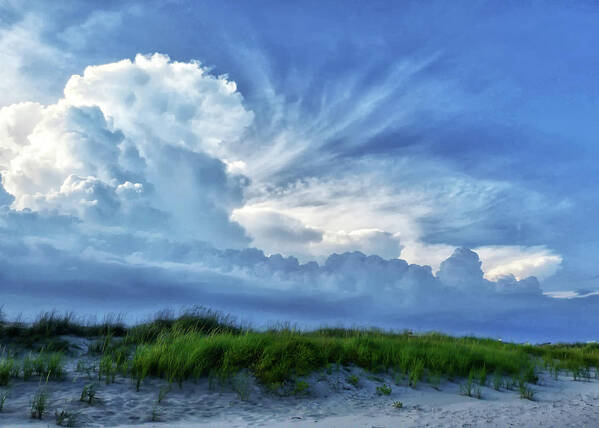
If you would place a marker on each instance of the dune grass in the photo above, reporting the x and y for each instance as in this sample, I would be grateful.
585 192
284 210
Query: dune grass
48 366
46 329
204 343
278 356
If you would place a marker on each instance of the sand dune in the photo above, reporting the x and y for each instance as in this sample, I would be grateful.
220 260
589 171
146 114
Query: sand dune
330 402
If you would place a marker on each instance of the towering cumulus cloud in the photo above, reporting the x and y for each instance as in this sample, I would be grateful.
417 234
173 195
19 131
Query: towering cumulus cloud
132 143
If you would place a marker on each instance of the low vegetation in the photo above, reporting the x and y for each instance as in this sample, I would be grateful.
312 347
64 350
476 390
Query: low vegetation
469 388
203 343
3 397
397 405
39 403
383 389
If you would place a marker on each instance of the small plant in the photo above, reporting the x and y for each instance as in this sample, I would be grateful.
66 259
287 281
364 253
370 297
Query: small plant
301 387
353 380
530 374
585 373
415 373
575 372
108 368
88 394
554 371
497 381
511 383
49 366
8 369
383 390
481 375
64 418
100 346
27 366
525 391
140 373
155 414
39 403
54 366
469 388
3 397
397 404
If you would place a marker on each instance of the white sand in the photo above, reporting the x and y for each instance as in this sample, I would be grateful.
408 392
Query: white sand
332 402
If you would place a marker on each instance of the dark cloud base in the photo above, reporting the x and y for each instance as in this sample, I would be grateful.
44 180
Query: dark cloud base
138 292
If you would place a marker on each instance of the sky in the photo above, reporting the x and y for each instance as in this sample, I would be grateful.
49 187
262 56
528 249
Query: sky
419 165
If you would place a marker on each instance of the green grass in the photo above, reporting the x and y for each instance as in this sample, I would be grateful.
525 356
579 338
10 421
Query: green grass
353 380
8 370
39 403
397 405
278 356
65 418
415 373
88 394
43 333
497 381
301 387
3 397
469 387
526 392
383 390
203 343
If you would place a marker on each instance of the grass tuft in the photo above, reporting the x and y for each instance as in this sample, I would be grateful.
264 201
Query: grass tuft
469 387
88 394
3 397
383 389
353 380
65 418
526 392
39 403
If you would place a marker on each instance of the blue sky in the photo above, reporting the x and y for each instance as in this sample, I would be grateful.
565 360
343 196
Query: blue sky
396 129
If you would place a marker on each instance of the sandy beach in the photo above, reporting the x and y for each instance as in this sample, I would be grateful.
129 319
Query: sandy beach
331 400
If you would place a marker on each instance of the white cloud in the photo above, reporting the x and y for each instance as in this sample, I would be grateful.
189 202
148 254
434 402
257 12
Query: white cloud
24 54
159 102
368 241
131 139
499 261
275 232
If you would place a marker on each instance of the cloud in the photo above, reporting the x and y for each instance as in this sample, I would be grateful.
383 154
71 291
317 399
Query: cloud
39 267
520 261
462 270
132 143
368 241
276 232
28 60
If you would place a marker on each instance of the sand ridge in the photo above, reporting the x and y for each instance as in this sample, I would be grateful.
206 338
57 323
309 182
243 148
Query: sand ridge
332 401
